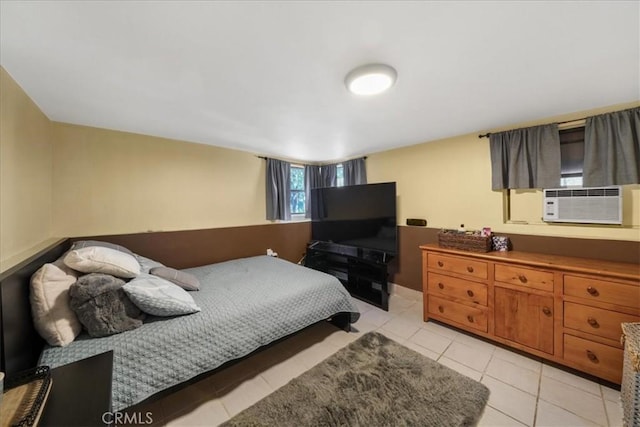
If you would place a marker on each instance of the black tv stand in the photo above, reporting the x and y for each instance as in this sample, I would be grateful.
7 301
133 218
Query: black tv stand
363 272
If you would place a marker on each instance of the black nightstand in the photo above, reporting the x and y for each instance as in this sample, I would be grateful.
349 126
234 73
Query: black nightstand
80 393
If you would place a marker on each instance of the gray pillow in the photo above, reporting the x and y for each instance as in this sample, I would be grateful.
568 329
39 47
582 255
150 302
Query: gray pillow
86 243
159 297
186 281
146 264
102 306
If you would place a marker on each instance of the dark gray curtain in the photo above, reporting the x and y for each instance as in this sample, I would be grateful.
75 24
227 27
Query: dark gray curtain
329 175
526 158
355 172
612 149
278 189
312 179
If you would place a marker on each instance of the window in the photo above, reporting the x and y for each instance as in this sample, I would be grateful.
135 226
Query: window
297 193
523 206
297 190
571 157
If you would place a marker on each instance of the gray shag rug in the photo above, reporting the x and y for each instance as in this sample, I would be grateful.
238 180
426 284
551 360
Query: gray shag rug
373 381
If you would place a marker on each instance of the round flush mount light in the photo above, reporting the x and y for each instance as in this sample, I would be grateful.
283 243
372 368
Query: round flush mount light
370 79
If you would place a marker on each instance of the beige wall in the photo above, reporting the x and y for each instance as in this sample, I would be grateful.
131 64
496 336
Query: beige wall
66 180
109 182
448 182
25 174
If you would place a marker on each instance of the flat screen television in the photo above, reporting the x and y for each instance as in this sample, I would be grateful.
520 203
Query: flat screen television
363 216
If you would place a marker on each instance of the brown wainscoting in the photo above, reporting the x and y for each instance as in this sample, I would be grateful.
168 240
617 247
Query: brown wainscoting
191 248
184 249
407 268
408 271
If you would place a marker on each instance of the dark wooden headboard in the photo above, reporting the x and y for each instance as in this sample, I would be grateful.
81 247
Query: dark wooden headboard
20 343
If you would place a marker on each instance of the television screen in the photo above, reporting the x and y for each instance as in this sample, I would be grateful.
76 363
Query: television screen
363 216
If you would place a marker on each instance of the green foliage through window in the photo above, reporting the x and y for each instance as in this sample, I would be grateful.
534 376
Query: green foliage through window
297 194
297 190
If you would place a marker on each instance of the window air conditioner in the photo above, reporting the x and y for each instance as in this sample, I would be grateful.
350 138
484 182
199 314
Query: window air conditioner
594 205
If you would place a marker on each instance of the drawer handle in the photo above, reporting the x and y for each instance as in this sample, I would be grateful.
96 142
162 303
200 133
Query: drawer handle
593 291
441 309
470 293
546 311
440 285
440 264
522 278
592 356
470 318
470 269
593 322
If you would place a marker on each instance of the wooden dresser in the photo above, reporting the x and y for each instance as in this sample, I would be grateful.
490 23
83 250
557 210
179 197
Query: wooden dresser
564 309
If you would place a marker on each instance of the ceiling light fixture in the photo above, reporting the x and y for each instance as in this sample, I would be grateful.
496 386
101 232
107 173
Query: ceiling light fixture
370 79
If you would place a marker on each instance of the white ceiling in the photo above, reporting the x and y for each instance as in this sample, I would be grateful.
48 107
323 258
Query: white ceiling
267 76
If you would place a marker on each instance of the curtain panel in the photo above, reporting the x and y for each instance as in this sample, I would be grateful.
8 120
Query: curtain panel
312 179
525 158
278 190
612 149
329 175
355 172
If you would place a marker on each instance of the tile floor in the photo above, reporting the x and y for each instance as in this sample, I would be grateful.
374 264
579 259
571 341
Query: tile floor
524 391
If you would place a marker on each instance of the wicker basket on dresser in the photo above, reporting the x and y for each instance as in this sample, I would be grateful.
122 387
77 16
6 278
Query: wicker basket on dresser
565 309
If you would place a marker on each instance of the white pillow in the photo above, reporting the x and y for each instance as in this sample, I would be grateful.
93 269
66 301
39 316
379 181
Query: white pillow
53 317
159 297
97 259
87 243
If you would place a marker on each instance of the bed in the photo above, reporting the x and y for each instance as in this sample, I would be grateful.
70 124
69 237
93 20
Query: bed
245 305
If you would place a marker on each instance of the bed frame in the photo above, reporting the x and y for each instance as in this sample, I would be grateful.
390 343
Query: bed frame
20 343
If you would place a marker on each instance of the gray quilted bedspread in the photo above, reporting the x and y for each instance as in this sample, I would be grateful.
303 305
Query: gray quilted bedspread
246 303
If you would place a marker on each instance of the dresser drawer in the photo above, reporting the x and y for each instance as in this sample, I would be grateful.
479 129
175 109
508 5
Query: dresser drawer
458 313
602 291
527 277
596 321
598 359
464 266
453 287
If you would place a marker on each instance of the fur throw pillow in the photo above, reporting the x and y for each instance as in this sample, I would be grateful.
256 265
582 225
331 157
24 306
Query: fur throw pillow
102 306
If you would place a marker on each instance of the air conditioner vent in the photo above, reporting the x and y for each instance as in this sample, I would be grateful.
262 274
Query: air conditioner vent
597 205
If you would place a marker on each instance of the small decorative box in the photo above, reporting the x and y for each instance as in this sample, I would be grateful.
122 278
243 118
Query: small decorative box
500 243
